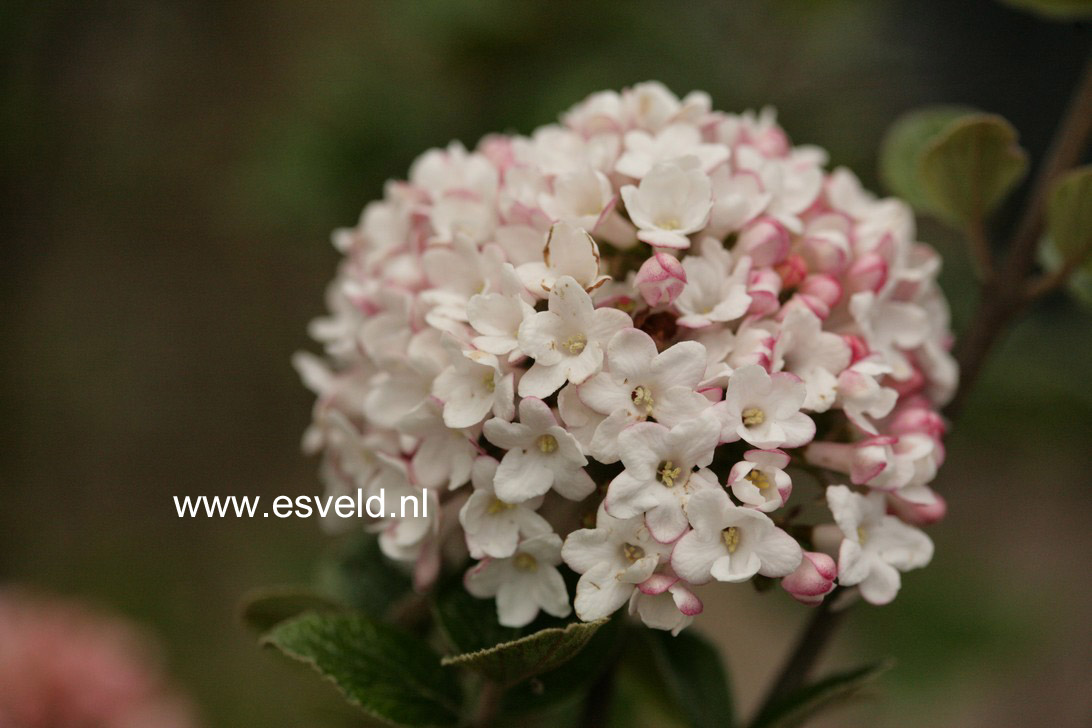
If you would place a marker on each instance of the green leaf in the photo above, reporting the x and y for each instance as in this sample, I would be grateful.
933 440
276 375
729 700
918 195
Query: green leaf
690 669
1069 214
263 609
1055 9
511 662
391 675
903 146
469 624
360 575
807 702
972 166
571 681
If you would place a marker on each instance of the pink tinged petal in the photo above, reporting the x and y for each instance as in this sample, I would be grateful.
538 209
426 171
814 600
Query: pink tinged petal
600 594
918 514
507 435
536 415
521 477
575 486
587 548
685 600
693 556
779 553
881 585
765 240
628 497
812 580
799 429
602 394
541 380
736 567
516 605
630 354
708 510
550 592
681 365
666 521
604 444
657 584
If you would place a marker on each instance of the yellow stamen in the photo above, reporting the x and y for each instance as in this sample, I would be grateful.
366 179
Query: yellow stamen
669 473
632 552
862 535
753 416
526 562
670 223
498 506
642 397
547 444
731 539
575 344
489 383
759 479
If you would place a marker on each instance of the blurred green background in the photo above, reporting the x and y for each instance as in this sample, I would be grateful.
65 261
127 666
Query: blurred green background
170 173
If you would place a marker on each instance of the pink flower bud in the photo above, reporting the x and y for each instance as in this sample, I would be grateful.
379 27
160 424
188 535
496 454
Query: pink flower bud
868 273
763 287
792 271
823 287
812 580
858 348
772 142
870 457
498 150
661 279
918 514
765 240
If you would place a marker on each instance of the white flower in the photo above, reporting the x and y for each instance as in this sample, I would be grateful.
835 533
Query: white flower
644 151
730 543
890 328
492 526
640 383
660 474
523 583
764 409
585 199
613 558
567 340
861 396
541 455
760 480
443 455
715 291
569 251
875 546
497 316
814 355
472 387
671 202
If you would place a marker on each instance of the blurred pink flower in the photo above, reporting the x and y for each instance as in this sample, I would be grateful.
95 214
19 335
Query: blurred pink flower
63 666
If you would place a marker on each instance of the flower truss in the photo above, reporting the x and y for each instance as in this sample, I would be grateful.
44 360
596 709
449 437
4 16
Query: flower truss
652 344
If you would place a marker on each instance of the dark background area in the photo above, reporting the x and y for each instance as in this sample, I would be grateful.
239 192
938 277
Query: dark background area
170 174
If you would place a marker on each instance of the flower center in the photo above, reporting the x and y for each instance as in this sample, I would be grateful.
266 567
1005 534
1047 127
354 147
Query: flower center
526 562
753 416
669 473
575 344
862 535
546 444
642 397
499 506
731 538
669 223
490 385
759 479
632 552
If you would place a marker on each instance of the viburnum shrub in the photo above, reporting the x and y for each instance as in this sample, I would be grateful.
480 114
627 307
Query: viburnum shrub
649 348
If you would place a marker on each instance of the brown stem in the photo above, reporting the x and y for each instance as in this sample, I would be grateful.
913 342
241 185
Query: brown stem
809 647
489 701
1006 294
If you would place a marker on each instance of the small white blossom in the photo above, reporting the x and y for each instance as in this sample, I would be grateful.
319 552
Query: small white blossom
660 474
875 546
730 543
567 340
493 527
541 455
760 480
523 583
472 387
716 290
671 202
644 151
814 355
612 558
764 409
569 251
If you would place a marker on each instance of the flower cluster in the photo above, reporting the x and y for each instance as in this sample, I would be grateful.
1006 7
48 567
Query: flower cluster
62 666
618 344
